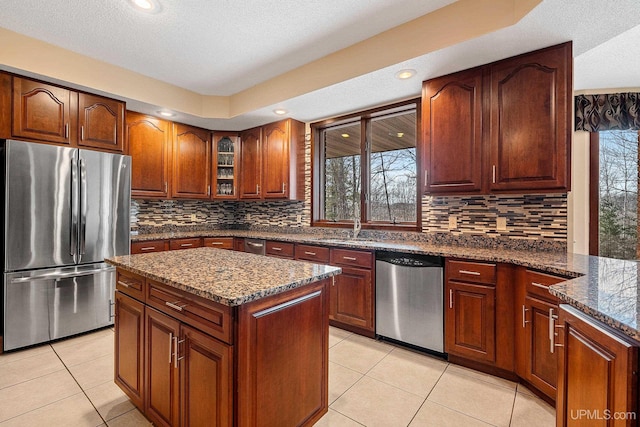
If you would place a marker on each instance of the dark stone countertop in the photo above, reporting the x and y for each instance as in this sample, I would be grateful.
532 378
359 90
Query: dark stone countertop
228 277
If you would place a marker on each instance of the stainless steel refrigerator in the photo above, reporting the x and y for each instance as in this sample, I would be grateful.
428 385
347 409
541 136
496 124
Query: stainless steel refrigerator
64 211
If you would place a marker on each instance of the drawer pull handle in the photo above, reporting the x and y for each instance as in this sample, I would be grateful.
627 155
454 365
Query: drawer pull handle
174 305
186 245
539 285
450 298
276 249
472 273
125 284
524 316
216 243
309 253
349 258
148 248
255 245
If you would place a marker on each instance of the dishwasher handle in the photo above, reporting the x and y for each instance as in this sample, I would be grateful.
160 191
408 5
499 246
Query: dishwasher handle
411 261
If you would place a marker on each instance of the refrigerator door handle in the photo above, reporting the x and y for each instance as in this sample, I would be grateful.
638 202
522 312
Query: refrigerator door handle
83 208
56 276
73 247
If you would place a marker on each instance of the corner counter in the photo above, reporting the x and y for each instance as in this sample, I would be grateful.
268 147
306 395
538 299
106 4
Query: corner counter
213 337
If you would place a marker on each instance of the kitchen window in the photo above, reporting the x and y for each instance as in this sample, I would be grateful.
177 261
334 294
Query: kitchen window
614 194
365 167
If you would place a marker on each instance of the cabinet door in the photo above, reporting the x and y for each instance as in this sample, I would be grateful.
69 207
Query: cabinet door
225 166
351 298
101 123
541 361
251 164
206 380
530 121
162 373
43 112
470 321
595 373
129 348
191 163
275 160
149 141
452 133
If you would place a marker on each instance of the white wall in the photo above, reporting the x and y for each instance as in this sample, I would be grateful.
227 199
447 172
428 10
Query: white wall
578 197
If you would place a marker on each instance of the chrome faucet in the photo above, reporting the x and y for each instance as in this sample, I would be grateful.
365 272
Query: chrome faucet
356 227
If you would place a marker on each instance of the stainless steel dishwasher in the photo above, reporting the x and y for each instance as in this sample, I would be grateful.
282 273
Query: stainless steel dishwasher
409 299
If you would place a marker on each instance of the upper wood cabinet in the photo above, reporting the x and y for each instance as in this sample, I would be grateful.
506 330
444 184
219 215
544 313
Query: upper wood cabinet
272 161
191 173
452 123
101 123
530 120
224 184
43 112
251 163
149 140
49 113
503 127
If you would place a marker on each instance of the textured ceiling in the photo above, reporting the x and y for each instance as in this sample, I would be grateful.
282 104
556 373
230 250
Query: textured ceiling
221 47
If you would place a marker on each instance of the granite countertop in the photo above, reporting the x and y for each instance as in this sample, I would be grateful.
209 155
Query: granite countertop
604 288
228 277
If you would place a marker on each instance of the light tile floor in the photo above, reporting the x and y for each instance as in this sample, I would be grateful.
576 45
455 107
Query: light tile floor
371 383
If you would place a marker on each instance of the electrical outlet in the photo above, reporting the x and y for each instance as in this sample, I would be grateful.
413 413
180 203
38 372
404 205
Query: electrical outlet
453 222
299 219
194 217
501 223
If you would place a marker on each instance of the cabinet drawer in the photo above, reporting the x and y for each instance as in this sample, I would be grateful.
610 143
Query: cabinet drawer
351 258
195 242
130 284
208 316
537 284
149 246
280 249
312 253
469 271
218 242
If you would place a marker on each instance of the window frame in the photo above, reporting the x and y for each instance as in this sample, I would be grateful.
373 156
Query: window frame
317 170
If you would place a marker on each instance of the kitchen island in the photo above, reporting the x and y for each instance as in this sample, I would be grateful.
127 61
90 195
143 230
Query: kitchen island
212 337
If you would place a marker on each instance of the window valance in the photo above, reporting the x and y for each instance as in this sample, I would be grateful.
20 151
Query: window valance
614 111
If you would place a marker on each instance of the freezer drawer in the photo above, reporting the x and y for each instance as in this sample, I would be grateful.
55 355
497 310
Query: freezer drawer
45 305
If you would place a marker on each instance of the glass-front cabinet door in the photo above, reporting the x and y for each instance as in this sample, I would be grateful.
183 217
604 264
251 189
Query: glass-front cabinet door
225 165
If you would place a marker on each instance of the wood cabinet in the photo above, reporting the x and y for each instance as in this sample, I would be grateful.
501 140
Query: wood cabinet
502 127
224 183
251 164
452 127
280 249
149 141
186 243
50 113
272 161
470 313
596 373
218 242
129 347
191 172
352 294
530 120
536 361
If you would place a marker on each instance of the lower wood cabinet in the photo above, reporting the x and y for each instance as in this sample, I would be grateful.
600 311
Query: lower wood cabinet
597 379
218 242
149 246
129 348
352 294
189 243
189 375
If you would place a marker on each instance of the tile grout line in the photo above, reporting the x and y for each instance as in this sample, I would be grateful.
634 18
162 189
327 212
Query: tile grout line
81 388
428 394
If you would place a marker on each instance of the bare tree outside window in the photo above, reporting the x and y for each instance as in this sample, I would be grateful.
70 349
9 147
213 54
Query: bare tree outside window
618 182
342 172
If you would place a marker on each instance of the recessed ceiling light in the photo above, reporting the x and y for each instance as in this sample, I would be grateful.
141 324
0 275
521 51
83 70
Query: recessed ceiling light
149 6
405 74
166 113
345 135
280 111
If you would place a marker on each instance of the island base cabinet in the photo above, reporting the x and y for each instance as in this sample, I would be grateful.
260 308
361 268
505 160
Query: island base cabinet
129 348
282 371
189 375
597 383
